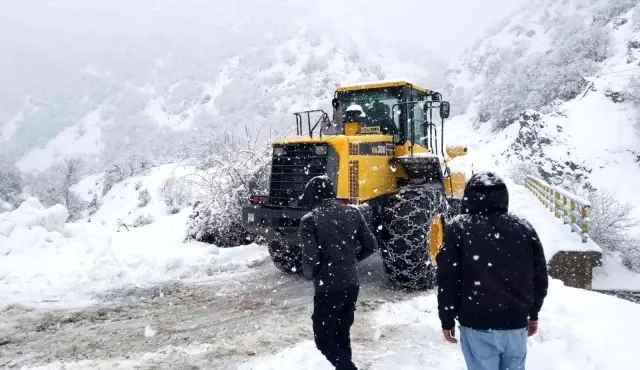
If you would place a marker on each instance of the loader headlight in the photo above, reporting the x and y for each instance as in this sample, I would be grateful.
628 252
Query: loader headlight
321 150
278 151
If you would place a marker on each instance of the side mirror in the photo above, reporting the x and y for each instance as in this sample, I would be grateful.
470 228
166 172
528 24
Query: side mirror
445 110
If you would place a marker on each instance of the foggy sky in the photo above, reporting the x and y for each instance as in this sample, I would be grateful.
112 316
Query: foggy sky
446 27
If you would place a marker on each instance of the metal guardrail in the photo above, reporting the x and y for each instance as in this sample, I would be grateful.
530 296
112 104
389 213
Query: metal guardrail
572 209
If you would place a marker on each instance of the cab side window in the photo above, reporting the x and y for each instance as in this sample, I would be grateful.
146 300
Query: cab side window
418 122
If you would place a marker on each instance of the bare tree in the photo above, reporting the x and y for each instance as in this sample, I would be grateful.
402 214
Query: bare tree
611 224
632 92
519 172
11 184
54 186
119 166
176 192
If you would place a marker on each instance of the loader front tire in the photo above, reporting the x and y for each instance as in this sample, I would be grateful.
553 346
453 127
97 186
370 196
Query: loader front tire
286 257
405 237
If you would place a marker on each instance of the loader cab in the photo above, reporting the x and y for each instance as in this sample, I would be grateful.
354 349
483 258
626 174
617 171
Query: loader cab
389 108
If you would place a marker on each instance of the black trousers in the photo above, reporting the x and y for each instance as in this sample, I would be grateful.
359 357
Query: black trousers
332 319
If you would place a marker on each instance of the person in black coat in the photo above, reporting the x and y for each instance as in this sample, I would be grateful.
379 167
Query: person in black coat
330 235
492 277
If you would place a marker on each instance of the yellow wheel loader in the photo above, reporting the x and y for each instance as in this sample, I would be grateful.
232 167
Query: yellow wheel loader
383 150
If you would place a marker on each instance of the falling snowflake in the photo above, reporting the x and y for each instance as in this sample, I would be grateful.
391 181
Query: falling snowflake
293 269
477 283
476 257
489 264
321 283
497 235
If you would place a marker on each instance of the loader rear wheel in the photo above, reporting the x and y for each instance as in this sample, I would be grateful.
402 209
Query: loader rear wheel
286 257
406 249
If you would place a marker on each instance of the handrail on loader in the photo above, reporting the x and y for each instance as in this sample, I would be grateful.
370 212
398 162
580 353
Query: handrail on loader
300 121
572 209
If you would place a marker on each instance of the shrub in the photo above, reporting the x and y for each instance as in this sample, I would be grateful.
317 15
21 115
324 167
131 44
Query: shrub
236 173
142 220
94 205
176 193
144 198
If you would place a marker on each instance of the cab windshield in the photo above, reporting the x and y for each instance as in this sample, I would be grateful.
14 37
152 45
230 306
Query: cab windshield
378 105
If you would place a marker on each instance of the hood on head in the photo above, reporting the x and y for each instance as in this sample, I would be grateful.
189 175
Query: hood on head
485 192
317 189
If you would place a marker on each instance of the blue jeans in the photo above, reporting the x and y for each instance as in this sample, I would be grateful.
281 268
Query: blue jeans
495 349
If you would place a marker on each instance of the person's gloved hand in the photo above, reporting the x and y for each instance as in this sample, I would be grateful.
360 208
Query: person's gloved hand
533 327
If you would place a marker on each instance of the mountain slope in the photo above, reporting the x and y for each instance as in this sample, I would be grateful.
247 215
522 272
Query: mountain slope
554 91
170 73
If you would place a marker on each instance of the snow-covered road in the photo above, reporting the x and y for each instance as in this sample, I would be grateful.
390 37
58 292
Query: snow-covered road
259 320
157 303
216 325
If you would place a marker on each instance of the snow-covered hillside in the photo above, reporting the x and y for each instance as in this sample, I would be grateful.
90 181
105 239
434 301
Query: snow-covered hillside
551 86
553 91
171 72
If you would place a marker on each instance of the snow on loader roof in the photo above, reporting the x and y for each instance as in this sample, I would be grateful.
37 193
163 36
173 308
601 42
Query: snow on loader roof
363 85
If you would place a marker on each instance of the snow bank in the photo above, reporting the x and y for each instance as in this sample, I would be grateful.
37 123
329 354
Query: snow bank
32 214
613 275
5 206
45 261
407 336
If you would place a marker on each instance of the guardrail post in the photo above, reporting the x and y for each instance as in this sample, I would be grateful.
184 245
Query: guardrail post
585 223
556 204
564 209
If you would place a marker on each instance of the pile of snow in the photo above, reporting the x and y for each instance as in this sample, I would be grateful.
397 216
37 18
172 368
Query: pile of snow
4 206
613 275
33 215
407 335
45 261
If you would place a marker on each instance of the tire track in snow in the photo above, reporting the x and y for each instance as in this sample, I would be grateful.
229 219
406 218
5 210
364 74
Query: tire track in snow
212 325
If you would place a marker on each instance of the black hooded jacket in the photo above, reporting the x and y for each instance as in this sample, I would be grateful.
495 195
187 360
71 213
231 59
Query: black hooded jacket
330 235
492 272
